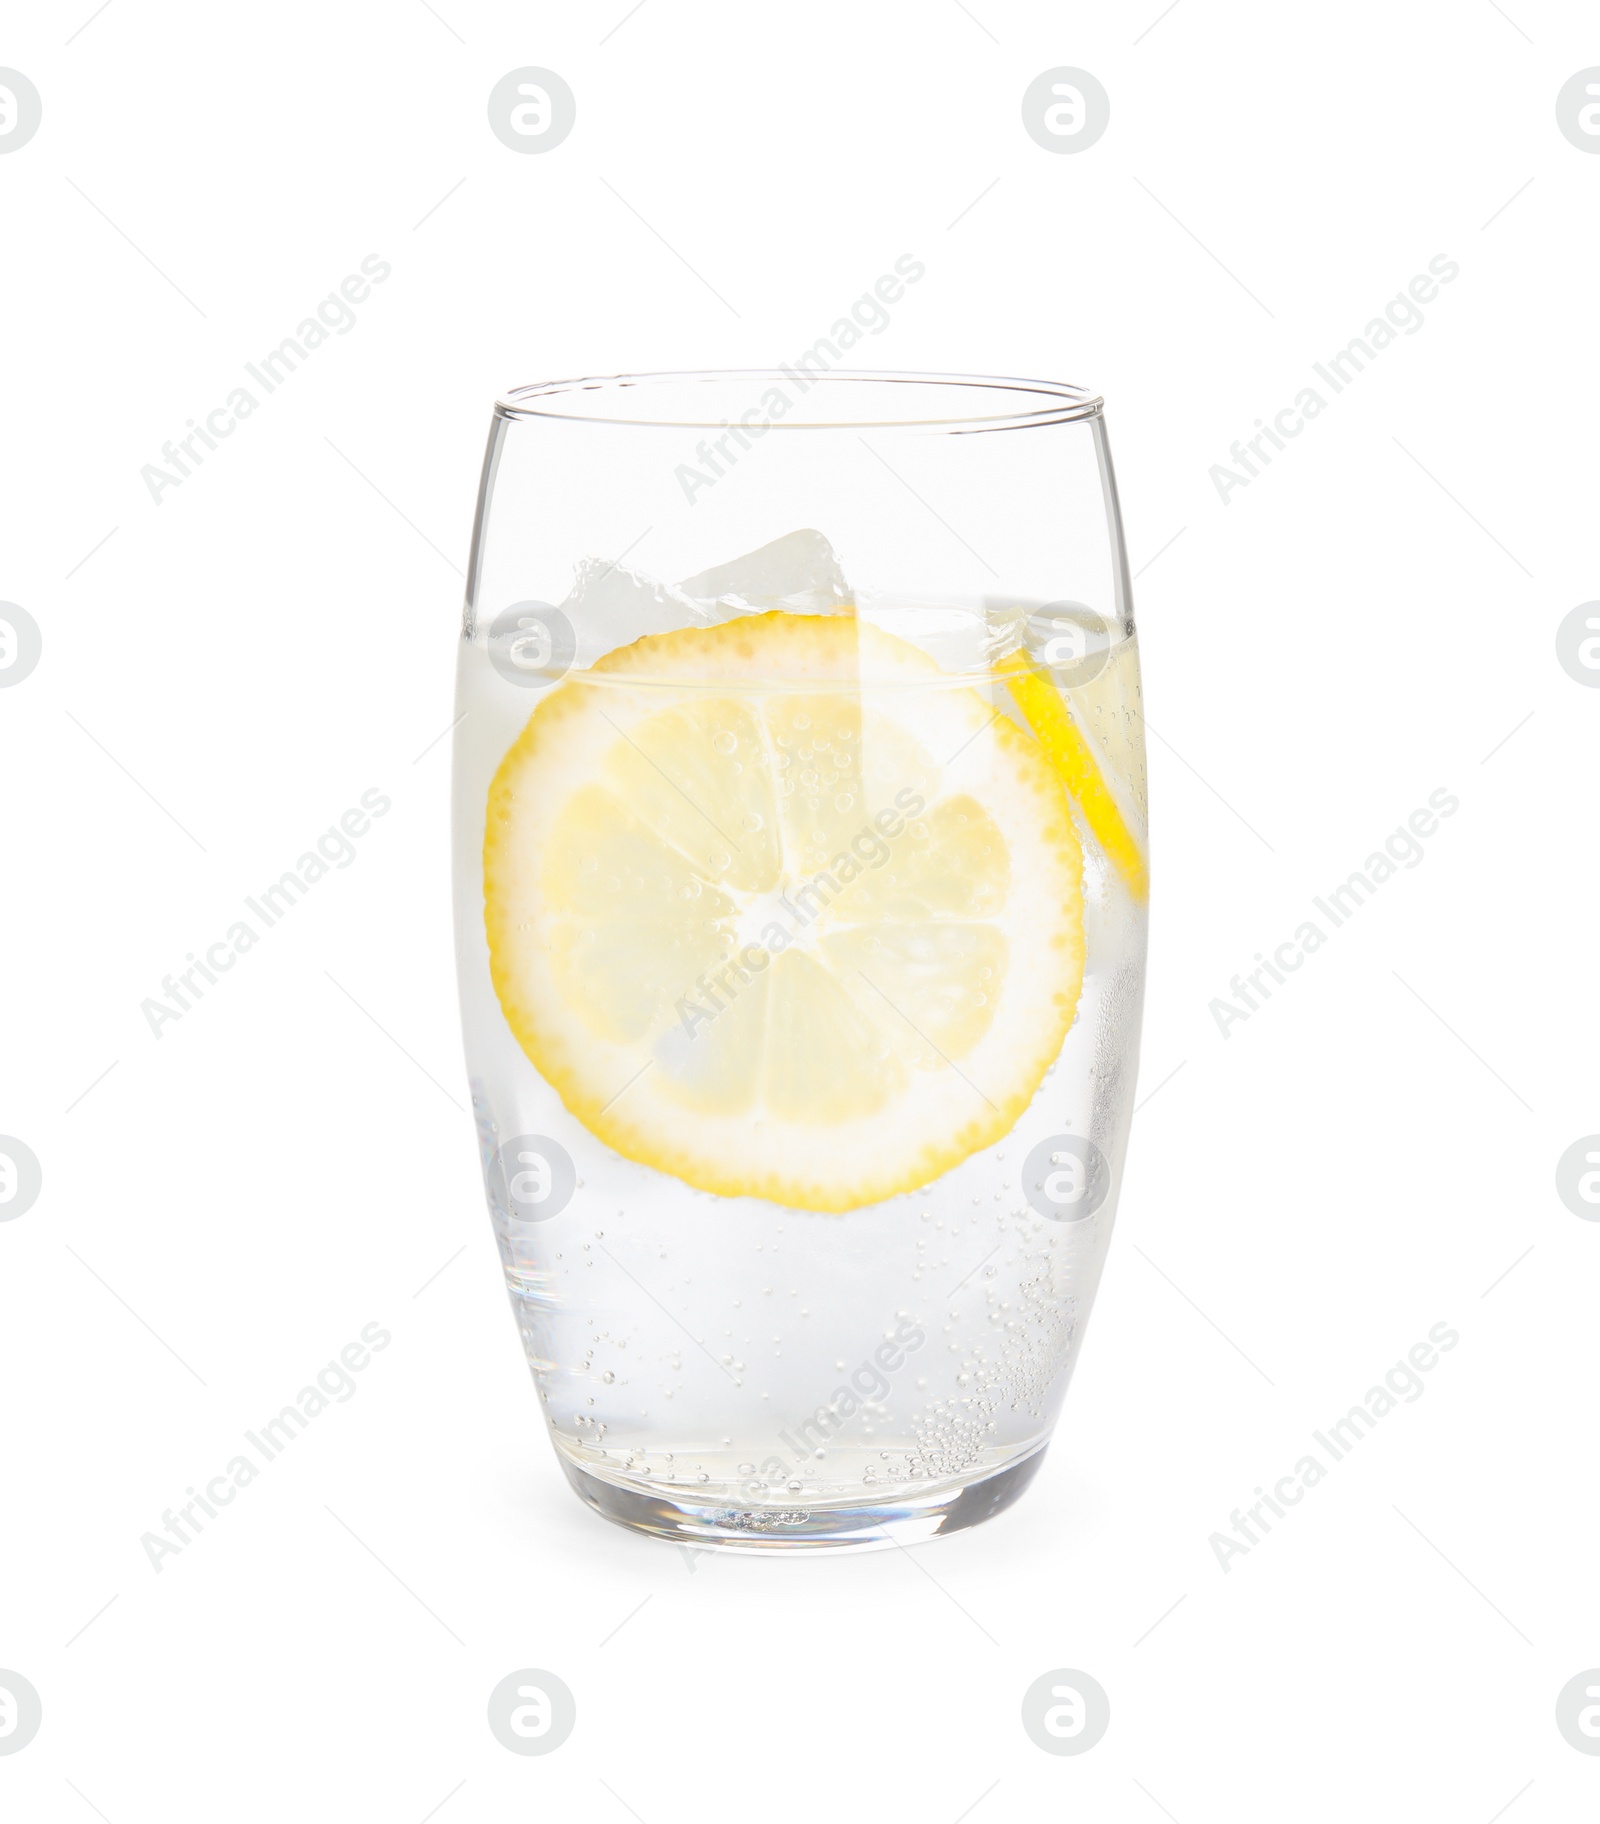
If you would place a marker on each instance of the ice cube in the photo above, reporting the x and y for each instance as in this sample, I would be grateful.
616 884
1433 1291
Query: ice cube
957 635
1070 638
973 634
610 605
798 573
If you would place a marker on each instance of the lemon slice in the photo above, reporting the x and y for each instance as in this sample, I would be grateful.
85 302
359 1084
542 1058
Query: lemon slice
1050 718
777 911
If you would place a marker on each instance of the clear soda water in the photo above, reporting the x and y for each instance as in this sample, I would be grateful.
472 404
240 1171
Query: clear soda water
771 1363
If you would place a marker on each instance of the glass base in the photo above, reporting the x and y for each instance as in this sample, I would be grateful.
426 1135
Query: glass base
854 1526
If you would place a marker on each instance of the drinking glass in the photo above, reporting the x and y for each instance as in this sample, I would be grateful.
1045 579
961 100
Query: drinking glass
800 877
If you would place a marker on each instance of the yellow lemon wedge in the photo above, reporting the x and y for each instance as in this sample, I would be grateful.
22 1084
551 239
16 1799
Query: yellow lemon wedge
777 910
1050 718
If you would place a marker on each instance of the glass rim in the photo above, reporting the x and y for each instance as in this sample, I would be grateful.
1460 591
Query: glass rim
1034 402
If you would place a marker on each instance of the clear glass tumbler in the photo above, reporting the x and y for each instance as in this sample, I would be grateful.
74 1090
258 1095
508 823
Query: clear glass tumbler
801 891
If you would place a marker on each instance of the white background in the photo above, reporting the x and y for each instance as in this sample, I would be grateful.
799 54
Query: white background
1370 1154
